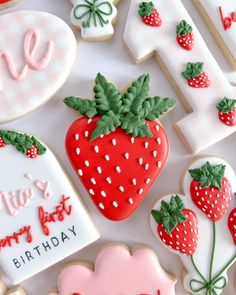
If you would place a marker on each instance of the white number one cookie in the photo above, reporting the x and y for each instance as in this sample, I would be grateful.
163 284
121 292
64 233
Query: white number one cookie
220 17
165 30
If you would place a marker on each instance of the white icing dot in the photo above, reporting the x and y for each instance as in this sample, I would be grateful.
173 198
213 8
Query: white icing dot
132 139
159 164
108 179
118 170
80 171
147 180
140 160
101 206
93 181
103 194
131 201
154 154
99 170
140 191
134 181
127 156
86 133
89 121
157 128
86 162
121 188
146 145
96 149
107 157
113 141
146 166
115 204
91 191
76 136
159 140
77 151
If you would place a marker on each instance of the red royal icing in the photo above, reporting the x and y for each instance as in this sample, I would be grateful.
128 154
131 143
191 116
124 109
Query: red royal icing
15 237
62 209
4 1
227 21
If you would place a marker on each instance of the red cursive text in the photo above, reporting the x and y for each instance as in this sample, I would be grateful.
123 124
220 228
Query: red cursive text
58 215
227 21
15 237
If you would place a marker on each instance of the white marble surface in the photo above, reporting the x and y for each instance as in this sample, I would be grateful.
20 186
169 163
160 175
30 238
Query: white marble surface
51 121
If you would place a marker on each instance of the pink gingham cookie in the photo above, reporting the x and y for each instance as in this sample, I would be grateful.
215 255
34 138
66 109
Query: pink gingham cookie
37 51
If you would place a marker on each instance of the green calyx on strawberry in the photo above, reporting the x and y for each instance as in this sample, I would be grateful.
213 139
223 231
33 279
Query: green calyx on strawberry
210 190
24 143
195 75
118 148
149 14
184 35
128 111
232 224
177 226
227 111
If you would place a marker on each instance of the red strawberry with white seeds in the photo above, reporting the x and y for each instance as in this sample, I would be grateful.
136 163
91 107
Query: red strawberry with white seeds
149 14
210 190
195 75
2 143
227 111
118 151
184 35
24 143
177 226
232 224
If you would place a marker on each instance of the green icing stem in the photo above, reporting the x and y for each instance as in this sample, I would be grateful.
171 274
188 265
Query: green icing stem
93 12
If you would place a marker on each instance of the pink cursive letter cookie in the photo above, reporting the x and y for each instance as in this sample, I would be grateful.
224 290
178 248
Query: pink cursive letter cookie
35 60
179 48
116 271
42 221
200 225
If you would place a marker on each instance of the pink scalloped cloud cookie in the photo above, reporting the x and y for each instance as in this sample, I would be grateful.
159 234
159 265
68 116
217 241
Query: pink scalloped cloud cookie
200 226
117 271
42 220
35 58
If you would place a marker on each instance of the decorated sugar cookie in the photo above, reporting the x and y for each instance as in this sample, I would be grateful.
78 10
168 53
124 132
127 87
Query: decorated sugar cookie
12 291
220 17
118 148
118 271
195 75
32 55
42 220
94 18
227 111
200 225
4 4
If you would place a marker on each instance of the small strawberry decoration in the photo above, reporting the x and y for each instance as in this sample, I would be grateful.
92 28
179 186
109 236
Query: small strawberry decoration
232 224
177 226
24 143
120 149
195 75
227 111
149 14
184 35
210 190
2 143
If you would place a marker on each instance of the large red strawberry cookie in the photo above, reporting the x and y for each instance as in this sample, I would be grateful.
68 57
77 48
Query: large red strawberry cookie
118 149
199 226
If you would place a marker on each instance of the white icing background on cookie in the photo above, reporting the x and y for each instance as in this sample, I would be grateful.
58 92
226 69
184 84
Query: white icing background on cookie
225 248
163 41
51 121
42 168
212 9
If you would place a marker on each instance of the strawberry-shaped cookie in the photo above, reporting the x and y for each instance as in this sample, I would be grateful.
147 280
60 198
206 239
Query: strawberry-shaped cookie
227 111
201 238
118 148
184 35
149 14
195 75
210 190
232 224
177 226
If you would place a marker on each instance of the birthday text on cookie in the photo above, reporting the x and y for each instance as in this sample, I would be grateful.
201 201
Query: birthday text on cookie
227 21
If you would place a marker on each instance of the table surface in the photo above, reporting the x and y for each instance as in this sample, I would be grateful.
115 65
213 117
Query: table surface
51 121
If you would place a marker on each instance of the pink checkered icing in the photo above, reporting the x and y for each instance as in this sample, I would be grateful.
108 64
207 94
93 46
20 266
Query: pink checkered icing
18 98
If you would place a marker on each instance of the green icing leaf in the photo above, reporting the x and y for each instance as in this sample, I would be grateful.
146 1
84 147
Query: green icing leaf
226 105
107 96
106 125
22 142
193 70
183 28
146 9
209 175
86 107
136 94
133 125
155 107
170 214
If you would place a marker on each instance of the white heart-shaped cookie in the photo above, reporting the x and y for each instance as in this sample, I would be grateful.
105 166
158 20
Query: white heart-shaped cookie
37 51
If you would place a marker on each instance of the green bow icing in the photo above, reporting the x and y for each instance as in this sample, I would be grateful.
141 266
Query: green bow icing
91 10
211 288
